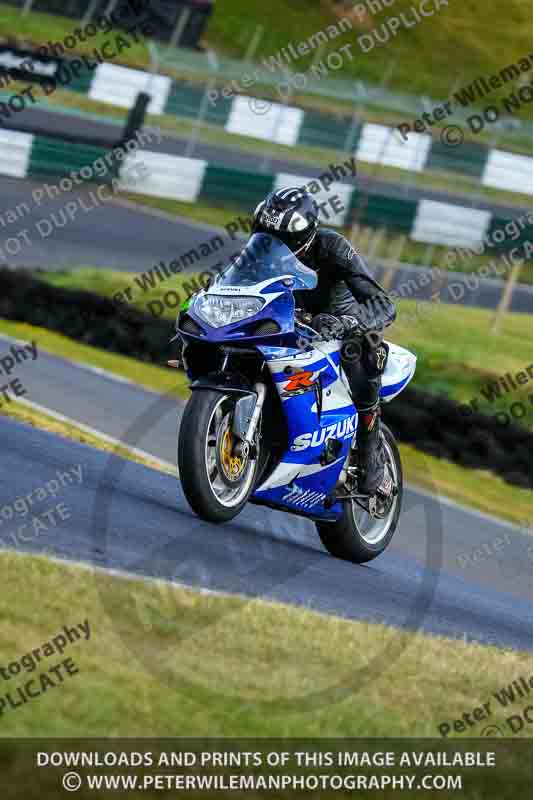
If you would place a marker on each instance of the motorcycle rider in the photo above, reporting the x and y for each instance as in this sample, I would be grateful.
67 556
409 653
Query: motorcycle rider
347 291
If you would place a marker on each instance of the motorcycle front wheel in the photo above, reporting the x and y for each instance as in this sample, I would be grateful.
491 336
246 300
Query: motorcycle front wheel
217 479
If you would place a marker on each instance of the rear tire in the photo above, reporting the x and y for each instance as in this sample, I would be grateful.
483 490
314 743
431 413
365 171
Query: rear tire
347 538
204 482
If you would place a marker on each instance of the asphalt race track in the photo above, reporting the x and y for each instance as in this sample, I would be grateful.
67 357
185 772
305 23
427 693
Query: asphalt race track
108 235
128 517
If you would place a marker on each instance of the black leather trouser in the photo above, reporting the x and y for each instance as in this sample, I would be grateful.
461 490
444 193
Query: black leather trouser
364 388
364 358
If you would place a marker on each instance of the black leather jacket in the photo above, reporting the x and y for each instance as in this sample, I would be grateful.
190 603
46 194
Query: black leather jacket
345 285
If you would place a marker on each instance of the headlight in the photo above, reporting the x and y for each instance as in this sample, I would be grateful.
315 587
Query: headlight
218 310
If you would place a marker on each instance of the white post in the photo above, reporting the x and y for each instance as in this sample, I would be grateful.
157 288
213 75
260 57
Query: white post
89 13
110 7
254 43
154 67
356 122
267 159
376 242
202 113
507 296
181 24
317 57
281 108
26 7
427 259
387 74
362 206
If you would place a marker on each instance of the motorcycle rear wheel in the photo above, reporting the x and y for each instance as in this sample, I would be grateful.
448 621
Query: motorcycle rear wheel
356 536
215 481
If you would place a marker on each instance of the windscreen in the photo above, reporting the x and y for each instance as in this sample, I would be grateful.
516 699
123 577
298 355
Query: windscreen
263 258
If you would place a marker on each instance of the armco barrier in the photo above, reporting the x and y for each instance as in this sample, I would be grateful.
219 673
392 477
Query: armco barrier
52 157
189 180
286 124
431 423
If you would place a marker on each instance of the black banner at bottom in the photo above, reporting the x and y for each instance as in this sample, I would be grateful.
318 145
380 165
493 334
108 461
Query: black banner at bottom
474 768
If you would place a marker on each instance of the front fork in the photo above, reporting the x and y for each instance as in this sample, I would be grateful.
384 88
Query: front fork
246 419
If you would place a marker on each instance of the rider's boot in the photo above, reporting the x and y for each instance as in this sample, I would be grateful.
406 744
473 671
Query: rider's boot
371 453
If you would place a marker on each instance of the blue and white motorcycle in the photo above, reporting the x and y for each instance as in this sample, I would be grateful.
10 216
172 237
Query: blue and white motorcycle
270 419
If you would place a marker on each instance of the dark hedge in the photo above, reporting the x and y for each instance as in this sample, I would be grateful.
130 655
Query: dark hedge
434 424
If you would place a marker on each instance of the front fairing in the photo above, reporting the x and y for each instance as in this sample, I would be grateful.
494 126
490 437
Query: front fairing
279 310
265 275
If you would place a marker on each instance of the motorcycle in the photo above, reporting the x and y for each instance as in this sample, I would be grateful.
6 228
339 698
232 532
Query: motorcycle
270 419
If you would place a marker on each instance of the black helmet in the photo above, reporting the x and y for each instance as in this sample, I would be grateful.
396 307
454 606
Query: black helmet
290 215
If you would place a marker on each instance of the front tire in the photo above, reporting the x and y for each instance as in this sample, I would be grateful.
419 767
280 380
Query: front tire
356 536
216 482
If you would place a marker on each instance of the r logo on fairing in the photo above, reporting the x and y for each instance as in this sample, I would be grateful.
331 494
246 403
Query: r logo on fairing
300 382
340 430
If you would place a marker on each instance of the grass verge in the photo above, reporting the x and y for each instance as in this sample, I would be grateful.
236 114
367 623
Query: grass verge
457 354
479 489
162 659
30 416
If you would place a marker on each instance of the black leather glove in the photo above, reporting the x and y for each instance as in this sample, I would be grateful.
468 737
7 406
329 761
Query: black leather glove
328 327
351 325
